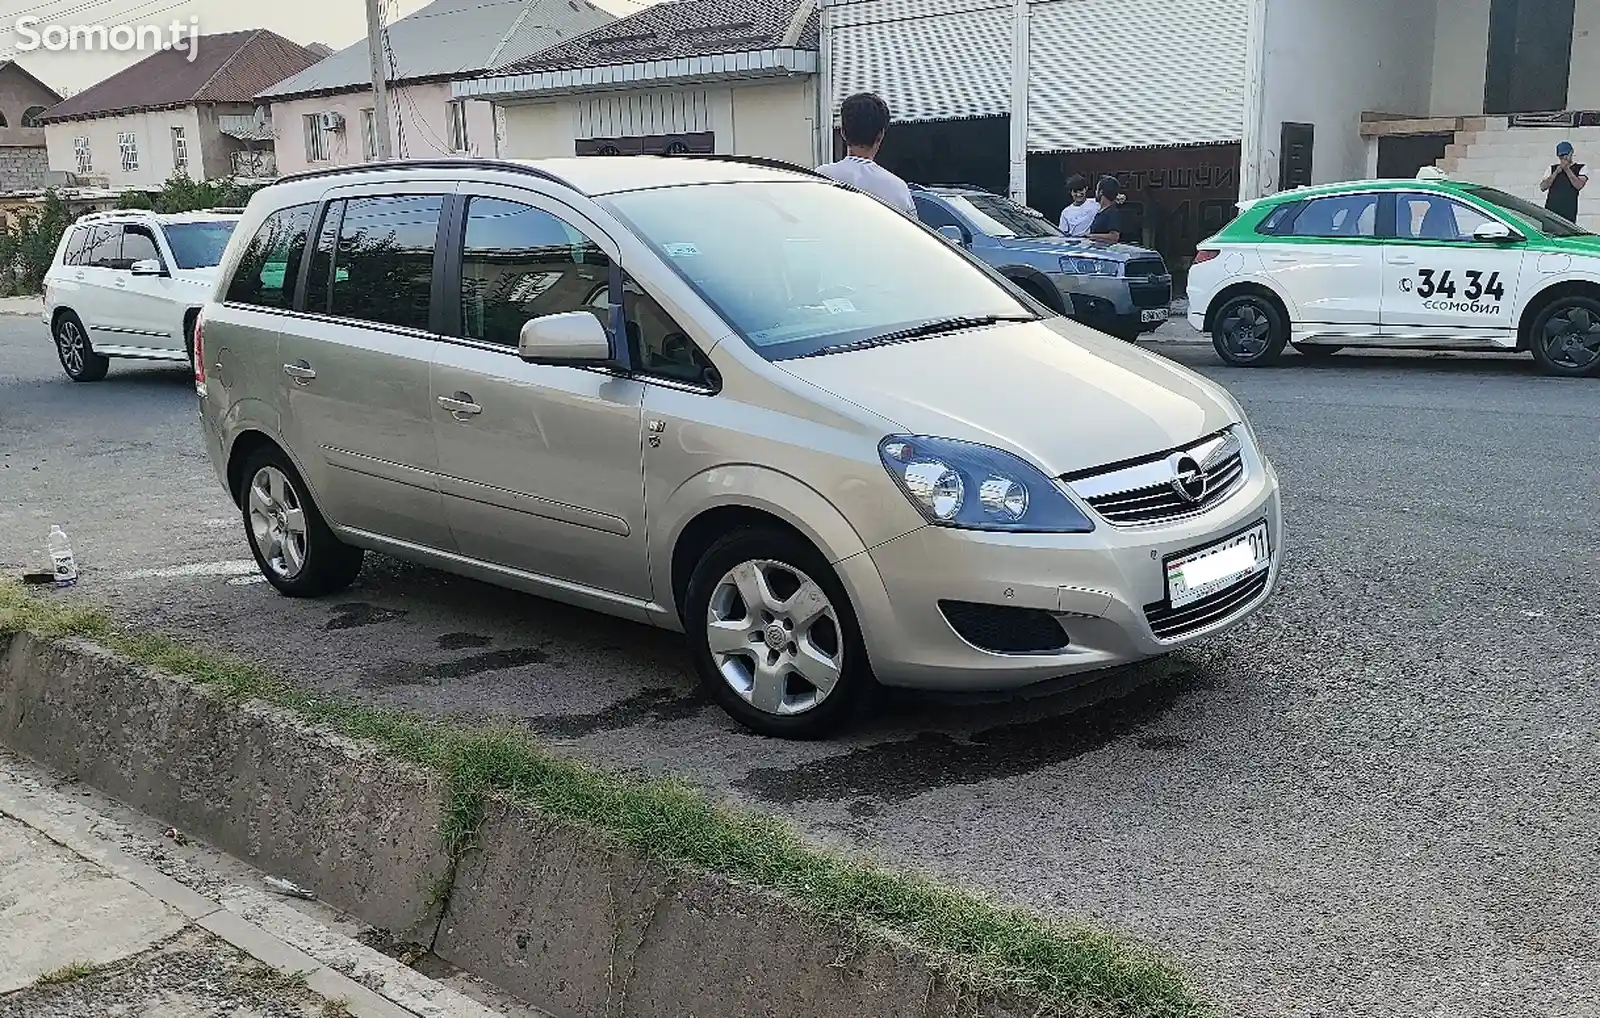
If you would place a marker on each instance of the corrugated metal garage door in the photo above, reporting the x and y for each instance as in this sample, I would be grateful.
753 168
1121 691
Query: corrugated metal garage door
929 59
1111 74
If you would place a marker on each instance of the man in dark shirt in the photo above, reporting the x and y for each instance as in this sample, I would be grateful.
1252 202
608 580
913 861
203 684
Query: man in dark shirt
1107 226
1566 179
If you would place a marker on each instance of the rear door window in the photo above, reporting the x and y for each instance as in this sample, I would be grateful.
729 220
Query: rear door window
383 264
104 247
1344 216
270 269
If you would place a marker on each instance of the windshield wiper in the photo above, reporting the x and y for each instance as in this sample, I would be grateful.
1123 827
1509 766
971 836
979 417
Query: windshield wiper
932 327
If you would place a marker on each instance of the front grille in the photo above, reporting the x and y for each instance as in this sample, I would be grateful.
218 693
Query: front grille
1005 630
1151 295
1174 623
1145 267
1147 493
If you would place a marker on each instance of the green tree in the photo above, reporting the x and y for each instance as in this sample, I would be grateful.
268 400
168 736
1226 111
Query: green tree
28 248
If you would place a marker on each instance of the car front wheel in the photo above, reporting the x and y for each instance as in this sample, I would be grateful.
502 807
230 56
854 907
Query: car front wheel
78 358
292 543
774 638
1566 338
1250 332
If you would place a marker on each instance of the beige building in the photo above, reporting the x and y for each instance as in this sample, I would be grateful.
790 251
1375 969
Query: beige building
166 114
725 76
324 116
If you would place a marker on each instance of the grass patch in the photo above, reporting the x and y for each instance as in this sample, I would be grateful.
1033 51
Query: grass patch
69 973
1077 970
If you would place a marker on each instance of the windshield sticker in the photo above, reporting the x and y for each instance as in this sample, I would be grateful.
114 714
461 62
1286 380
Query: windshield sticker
838 306
681 250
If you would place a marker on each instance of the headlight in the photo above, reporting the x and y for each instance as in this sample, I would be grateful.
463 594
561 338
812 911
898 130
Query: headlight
957 484
1089 266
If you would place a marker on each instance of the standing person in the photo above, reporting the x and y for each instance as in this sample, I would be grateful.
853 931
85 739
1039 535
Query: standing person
1075 218
1107 226
1566 179
864 120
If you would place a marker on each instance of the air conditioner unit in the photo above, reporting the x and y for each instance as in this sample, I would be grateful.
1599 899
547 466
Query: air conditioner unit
333 122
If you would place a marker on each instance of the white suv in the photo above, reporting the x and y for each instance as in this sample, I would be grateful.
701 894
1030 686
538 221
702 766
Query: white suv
129 284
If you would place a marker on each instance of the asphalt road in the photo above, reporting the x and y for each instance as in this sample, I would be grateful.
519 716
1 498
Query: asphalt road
1378 799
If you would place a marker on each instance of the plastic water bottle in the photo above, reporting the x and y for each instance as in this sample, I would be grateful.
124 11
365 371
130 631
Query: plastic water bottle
61 557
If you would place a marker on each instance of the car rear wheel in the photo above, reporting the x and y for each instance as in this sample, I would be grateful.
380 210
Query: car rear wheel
292 543
1566 338
1250 332
77 355
775 640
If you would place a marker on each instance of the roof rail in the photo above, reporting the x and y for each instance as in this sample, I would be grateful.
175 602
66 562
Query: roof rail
771 164
424 164
226 210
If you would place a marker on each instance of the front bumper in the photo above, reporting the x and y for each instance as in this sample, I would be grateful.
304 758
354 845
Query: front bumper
1096 586
1113 304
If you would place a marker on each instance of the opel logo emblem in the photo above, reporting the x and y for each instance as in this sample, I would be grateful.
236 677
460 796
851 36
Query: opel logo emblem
1189 479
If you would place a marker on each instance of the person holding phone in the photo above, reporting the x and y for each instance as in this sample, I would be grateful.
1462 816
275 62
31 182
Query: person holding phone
1566 179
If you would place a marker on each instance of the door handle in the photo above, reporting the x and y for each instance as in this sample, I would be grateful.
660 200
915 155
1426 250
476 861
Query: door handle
461 405
122 282
1402 261
300 371
77 275
1285 259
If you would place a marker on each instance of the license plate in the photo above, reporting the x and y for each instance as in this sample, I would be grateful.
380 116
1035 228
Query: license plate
1155 315
1201 573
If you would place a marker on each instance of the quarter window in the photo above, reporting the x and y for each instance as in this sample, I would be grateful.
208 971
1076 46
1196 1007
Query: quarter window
1348 215
519 262
73 253
268 272
383 266
1435 217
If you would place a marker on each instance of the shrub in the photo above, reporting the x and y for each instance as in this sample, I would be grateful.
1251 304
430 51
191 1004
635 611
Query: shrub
27 250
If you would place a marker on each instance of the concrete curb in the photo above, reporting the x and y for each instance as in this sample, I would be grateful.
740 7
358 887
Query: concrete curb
543 909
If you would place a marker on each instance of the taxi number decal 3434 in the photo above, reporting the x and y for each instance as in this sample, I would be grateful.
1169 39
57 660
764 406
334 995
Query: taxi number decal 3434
1432 282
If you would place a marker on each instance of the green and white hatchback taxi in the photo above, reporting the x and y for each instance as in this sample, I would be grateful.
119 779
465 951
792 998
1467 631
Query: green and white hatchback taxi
1425 264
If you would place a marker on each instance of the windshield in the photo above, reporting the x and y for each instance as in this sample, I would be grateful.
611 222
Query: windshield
199 245
1541 219
796 267
1002 217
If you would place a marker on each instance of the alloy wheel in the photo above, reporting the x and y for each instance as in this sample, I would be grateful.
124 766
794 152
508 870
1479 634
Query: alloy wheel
775 637
1572 339
73 346
277 522
1246 331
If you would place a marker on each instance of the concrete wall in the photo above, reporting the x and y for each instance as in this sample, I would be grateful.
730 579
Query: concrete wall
421 121
1325 63
775 119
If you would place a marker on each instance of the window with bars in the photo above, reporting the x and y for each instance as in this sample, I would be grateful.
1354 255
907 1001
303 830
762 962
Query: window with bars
369 134
316 139
80 151
180 151
456 115
128 147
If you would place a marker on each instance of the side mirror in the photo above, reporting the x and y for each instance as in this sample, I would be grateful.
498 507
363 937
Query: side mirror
147 267
954 235
571 338
1495 233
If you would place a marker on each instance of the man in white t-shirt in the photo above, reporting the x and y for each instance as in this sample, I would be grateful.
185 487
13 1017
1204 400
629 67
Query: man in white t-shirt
1077 217
864 120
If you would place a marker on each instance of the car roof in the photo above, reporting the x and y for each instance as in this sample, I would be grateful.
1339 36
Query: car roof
146 215
1434 184
589 175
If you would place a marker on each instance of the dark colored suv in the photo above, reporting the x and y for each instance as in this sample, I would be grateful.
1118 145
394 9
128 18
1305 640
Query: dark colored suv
1118 289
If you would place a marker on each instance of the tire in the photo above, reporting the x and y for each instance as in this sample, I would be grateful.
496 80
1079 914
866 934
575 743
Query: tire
76 353
1316 352
1251 331
1565 340
300 561
1036 291
761 684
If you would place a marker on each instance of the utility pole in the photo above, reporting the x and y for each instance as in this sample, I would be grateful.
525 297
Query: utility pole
1020 14
383 127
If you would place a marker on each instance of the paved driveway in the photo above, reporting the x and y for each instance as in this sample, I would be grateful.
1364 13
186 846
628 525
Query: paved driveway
1376 800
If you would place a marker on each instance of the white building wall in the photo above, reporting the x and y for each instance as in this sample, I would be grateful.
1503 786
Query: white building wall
771 119
421 122
1461 58
152 134
1311 46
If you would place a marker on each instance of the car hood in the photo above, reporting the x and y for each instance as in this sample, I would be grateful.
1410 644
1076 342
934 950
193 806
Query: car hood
1060 395
1075 245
